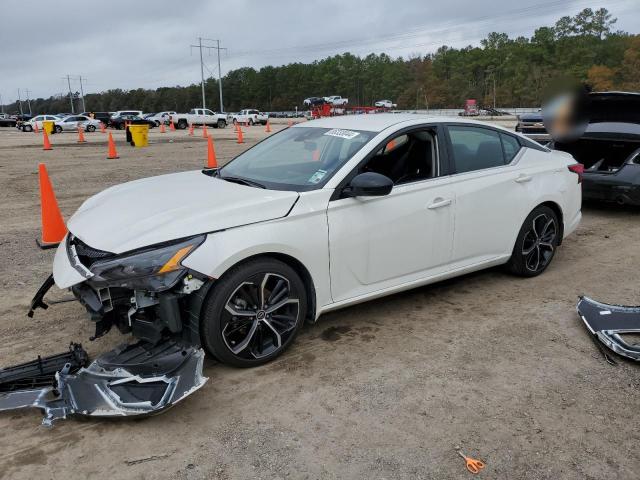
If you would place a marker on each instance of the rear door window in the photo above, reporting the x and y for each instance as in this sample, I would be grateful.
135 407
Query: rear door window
510 146
475 148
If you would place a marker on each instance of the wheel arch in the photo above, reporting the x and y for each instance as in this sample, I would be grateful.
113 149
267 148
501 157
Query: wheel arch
557 209
298 267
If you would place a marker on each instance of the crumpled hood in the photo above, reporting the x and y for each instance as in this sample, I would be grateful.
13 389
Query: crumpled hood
168 207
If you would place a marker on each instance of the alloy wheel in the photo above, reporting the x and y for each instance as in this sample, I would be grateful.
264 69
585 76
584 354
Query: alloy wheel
259 316
539 242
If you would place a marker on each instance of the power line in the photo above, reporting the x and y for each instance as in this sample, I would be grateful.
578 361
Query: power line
217 47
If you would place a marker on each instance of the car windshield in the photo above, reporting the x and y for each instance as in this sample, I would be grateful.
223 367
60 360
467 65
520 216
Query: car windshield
298 159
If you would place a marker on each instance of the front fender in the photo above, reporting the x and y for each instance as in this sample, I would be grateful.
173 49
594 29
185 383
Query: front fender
303 235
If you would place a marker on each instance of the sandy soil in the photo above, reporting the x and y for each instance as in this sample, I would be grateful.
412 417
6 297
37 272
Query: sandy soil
497 365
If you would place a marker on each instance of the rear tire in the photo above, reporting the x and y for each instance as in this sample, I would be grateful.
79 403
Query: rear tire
253 313
91 128
536 243
182 124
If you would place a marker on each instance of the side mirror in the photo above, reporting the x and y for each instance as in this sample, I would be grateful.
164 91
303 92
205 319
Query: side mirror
368 184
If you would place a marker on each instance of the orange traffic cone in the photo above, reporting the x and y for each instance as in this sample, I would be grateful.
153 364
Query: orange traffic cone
46 145
172 127
211 154
53 228
268 129
112 149
289 124
240 137
103 128
162 129
81 136
35 127
191 130
205 134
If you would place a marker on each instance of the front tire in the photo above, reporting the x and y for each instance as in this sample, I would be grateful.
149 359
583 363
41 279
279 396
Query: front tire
253 313
222 124
58 129
536 243
91 128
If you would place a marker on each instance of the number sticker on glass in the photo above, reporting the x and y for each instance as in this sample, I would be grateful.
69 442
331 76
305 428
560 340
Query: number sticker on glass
338 132
316 177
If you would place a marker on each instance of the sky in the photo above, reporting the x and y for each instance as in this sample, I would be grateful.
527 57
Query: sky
146 44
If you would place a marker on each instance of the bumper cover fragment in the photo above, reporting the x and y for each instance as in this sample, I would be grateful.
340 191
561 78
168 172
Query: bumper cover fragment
132 380
609 322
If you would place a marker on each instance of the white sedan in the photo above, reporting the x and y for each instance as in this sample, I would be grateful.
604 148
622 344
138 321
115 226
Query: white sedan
385 104
37 121
72 122
319 216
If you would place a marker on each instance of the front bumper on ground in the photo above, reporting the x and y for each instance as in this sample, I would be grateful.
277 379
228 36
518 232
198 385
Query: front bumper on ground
132 380
608 323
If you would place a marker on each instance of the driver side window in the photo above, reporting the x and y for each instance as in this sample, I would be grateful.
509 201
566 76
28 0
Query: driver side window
406 158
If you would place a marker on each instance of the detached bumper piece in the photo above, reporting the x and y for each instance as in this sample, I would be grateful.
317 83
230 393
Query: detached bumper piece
132 380
608 324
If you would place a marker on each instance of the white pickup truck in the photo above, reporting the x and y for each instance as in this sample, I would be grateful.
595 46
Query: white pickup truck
199 116
336 100
250 116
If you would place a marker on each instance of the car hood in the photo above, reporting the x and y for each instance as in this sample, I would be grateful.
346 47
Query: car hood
168 207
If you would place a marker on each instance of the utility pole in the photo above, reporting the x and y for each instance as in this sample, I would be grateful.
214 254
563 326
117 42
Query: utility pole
1 105
70 94
28 100
200 46
20 103
84 107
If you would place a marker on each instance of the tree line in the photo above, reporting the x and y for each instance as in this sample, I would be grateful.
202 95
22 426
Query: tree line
517 72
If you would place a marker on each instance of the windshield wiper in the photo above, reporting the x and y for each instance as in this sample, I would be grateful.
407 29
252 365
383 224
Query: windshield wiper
242 181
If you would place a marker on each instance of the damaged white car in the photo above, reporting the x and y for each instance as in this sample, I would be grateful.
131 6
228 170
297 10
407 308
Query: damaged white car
316 217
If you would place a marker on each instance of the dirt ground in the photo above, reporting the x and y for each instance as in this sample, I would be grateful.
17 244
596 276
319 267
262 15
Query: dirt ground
499 366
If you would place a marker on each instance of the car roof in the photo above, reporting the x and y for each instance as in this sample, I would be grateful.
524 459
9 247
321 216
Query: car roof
378 122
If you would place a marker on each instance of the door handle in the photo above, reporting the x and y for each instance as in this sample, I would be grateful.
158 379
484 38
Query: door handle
439 203
522 178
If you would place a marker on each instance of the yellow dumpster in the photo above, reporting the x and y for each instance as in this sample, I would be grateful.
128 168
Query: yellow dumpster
139 135
48 126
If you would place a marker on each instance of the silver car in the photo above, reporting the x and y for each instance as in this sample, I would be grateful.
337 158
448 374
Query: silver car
72 122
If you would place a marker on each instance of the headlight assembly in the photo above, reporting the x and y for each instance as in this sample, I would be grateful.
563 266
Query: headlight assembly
149 269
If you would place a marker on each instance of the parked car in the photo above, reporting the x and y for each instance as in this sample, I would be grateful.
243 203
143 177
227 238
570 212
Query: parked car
532 125
161 117
120 113
72 122
250 116
30 125
385 104
200 116
320 216
101 116
119 122
336 100
7 120
313 101
609 148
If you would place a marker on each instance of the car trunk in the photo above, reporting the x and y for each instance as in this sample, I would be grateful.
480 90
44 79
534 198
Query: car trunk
599 155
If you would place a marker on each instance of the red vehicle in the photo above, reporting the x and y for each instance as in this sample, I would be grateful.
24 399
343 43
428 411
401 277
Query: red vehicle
470 108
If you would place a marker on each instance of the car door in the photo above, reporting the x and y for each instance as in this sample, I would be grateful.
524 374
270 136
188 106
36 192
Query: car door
491 197
377 243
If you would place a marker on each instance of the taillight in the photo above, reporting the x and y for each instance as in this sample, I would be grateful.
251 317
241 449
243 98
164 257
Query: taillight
578 169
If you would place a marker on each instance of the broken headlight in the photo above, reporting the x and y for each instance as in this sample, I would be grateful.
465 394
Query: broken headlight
154 268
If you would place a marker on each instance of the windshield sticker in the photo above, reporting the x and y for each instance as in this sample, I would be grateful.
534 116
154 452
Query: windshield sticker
316 177
338 132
